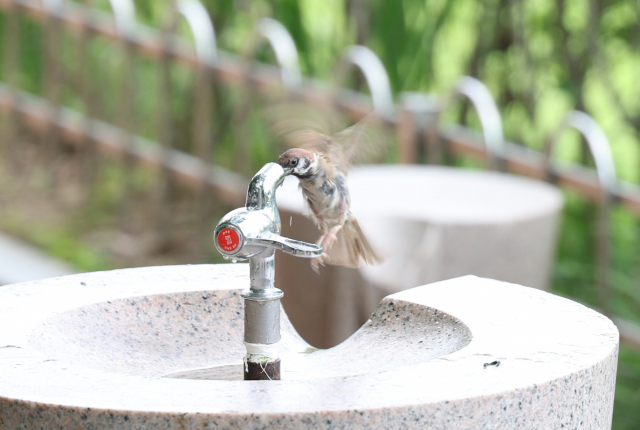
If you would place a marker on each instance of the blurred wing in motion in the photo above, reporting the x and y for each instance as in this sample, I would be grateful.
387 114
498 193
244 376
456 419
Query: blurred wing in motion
364 142
287 119
300 125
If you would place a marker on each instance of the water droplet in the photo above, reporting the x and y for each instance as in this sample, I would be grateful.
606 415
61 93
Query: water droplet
226 257
233 260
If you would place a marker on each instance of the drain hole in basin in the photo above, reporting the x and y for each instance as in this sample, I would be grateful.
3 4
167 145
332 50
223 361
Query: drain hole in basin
227 372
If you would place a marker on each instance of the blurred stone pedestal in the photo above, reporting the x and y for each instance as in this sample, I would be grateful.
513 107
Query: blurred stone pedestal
430 224
22 262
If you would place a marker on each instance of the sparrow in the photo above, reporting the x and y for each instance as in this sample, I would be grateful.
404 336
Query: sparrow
321 167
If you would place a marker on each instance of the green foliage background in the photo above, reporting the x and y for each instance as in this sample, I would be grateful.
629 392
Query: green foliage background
539 58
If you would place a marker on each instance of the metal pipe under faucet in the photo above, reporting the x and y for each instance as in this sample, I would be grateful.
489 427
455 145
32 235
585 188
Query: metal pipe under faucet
253 233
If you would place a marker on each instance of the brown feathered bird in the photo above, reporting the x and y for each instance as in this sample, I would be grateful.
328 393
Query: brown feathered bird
321 163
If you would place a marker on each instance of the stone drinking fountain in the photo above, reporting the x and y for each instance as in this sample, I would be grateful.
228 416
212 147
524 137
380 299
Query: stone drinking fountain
169 348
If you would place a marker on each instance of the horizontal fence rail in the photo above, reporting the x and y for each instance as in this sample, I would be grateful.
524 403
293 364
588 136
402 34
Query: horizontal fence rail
189 170
416 119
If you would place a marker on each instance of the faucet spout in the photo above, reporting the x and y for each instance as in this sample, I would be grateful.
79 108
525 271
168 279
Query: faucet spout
262 189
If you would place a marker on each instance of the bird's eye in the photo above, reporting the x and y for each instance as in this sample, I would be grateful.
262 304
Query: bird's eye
294 161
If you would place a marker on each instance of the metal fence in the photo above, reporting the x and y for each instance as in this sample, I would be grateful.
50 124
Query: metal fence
415 120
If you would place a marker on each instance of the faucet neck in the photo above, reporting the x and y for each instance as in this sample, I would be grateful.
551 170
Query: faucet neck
262 272
263 186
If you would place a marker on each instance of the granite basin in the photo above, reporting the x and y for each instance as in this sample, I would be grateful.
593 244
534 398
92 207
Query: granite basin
198 335
161 348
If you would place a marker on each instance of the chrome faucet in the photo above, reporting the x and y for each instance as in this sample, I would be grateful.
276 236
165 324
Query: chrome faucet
253 233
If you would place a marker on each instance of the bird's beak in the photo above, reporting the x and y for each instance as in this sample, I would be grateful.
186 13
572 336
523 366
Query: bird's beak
288 170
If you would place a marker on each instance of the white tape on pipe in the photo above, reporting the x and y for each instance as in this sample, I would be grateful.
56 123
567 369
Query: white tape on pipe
262 350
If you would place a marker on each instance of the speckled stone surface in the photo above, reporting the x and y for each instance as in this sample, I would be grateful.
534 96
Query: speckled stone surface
159 348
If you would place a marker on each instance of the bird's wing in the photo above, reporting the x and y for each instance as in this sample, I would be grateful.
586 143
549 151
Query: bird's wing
289 119
300 125
364 142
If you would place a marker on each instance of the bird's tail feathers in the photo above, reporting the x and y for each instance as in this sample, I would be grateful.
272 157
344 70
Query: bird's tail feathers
351 247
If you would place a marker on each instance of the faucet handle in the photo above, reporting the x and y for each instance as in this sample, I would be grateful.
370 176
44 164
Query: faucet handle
290 246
